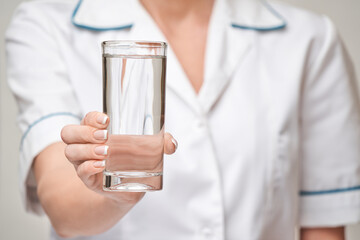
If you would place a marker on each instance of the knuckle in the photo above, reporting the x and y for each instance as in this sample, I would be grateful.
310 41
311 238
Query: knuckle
63 134
90 118
89 152
83 170
68 152
86 118
92 114
89 135
80 170
91 183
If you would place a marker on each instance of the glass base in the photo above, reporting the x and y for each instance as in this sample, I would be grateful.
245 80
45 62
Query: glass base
132 181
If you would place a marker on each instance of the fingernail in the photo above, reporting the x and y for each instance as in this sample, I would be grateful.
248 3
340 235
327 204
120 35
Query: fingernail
175 143
102 119
100 134
101 150
99 164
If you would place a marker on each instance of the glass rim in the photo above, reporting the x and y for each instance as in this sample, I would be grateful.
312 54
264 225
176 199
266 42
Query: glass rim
134 44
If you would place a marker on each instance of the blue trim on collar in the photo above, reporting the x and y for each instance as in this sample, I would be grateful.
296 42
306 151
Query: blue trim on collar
43 118
259 29
94 28
264 29
339 190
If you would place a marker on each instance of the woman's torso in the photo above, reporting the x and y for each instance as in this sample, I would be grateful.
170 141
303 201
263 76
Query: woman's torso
235 173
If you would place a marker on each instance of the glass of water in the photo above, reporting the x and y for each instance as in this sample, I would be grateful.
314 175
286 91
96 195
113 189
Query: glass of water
134 99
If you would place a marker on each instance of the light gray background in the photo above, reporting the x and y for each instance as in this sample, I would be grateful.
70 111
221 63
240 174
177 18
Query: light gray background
15 223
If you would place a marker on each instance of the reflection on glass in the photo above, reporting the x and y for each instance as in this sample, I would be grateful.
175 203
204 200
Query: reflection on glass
134 99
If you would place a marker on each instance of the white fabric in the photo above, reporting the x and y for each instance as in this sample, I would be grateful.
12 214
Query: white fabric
38 77
255 14
112 14
271 142
105 13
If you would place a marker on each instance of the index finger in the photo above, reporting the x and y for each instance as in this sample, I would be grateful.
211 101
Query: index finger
96 119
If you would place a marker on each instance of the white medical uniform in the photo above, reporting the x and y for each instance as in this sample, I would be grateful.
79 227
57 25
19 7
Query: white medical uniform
271 142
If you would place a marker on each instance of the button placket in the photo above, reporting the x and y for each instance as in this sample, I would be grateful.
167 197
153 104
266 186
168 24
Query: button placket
207 232
211 230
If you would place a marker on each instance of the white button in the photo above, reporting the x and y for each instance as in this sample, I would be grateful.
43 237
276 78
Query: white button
206 231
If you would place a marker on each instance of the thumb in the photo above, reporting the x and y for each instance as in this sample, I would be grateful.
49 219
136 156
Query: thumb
170 145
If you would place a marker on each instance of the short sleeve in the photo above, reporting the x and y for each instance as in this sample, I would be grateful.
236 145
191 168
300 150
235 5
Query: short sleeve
330 133
38 78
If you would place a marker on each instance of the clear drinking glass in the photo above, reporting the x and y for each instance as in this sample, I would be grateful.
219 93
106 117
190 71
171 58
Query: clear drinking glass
134 100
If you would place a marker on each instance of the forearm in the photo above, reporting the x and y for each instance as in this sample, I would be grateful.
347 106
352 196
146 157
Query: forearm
81 214
337 233
73 209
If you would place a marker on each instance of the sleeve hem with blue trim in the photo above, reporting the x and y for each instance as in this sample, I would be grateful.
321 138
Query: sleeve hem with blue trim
330 135
330 209
40 135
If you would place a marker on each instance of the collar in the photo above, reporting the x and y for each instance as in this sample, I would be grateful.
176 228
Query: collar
104 15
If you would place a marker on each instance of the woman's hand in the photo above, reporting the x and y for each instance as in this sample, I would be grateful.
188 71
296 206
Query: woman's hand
74 200
86 149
